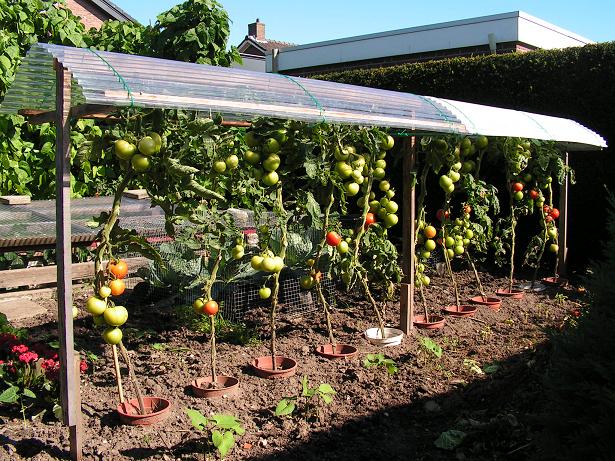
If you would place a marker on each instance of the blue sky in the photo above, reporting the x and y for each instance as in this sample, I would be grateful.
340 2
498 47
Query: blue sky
316 20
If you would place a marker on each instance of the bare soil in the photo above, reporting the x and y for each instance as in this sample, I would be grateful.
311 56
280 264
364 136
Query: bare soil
373 415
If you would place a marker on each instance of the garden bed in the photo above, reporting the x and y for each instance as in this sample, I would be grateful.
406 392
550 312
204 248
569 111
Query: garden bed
373 415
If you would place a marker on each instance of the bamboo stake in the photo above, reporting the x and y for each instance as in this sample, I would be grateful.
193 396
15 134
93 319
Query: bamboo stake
133 378
118 376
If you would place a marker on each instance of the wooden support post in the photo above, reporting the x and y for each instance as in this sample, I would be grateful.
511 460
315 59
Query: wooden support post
69 370
408 225
562 265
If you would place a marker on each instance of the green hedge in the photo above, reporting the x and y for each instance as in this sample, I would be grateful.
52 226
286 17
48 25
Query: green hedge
575 83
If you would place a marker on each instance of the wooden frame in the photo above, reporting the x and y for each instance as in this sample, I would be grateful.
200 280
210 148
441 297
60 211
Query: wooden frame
406 301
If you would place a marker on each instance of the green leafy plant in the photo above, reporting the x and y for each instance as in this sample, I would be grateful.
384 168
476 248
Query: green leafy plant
431 346
308 403
380 360
222 429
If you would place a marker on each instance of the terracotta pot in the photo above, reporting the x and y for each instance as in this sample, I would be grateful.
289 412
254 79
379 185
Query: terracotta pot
229 387
156 409
341 351
435 322
392 336
555 281
515 293
464 310
285 367
490 301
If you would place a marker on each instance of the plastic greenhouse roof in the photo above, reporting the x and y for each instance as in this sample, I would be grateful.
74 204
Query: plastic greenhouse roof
115 79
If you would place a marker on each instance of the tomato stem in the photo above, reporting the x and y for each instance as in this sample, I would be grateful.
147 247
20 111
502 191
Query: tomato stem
133 377
281 212
323 242
214 376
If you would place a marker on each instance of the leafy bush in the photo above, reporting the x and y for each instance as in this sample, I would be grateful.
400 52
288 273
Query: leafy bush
580 412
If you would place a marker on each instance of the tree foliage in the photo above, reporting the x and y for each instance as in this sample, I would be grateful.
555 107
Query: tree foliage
195 31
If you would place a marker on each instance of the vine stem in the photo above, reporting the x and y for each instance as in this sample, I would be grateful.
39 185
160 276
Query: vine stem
133 377
321 246
104 246
512 247
447 260
276 278
214 376
478 282
373 303
544 240
208 293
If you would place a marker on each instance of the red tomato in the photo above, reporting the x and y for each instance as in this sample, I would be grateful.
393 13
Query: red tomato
467 209
534 194
441 214
548 218
555 213
119 269
546 209
210 308
117 287
517 186
369 219
333 238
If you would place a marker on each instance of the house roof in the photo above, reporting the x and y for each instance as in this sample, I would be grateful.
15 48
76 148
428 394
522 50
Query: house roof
263 45
113 10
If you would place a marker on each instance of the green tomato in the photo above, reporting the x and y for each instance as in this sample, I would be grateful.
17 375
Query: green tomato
518 196
252 139
256 262
425 280
374 206
430 244
112 335
252 157
271 178
271 146
466 242
269 264
481 142
425 254
455 176
384 186
381 164
390 194
392 207
552 232
96 306
450 189
458 250
279 263
306 282
237 252
445 182
468 166
140 163
272 162
351 188
341 154
359 162
449 241
281 136
456 166
469 234
553 248
343 169
387 143
124 150
343 247
450 253
264 293
147 146
116 316
219 166
390 220
104 292
232 161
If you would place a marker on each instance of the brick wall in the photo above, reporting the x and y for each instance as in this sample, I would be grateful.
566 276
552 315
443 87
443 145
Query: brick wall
90 14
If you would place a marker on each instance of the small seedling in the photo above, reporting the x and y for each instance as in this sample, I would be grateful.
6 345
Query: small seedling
560 298
473 366
485 333
431 346
376 360
309 400
222 428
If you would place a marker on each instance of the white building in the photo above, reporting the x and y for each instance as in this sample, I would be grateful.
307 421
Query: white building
500 33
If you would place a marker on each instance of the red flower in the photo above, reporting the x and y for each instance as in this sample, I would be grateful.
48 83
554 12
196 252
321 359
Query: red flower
83 366
1 362
19 349
28 357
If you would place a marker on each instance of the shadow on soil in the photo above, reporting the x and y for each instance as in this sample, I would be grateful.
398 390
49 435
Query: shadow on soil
498 414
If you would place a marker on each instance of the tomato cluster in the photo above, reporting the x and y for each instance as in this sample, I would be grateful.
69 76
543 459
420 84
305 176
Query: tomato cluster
264 150
138 157
104 311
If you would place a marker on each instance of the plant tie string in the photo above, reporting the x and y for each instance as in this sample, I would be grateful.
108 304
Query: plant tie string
118 75
316 102
447 118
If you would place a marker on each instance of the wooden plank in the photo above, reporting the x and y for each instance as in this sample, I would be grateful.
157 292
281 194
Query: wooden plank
69 384
137 194
562 265
15 199
408 230
75 432
48 274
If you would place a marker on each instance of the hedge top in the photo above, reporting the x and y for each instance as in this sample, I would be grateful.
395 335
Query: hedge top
115 79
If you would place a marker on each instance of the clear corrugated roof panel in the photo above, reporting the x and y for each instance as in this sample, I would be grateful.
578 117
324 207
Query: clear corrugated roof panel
115 79
122 80
493 121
